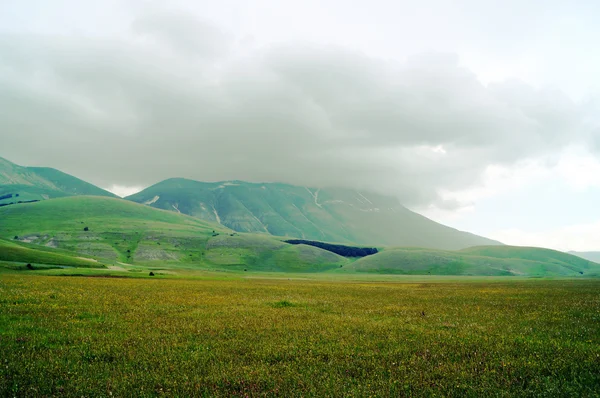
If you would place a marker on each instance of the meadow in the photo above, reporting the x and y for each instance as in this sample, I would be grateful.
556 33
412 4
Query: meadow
248 335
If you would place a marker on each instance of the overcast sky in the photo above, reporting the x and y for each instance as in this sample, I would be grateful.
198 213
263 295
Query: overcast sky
484 115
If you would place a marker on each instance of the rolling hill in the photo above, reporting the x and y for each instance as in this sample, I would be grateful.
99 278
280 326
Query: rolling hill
333 214
484 260
591 256
75 231
117 231
18 183
23 253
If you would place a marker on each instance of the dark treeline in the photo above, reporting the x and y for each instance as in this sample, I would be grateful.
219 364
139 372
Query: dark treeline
346 251
7 196
20 201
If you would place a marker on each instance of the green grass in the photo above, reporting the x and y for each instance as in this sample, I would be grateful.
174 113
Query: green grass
13 252
39 183
331 214
481 260
72 336
122 232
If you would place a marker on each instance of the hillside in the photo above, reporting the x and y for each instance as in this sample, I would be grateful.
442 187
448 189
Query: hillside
132 237
332 215
18 183
117 231
22 253
486 260
591 256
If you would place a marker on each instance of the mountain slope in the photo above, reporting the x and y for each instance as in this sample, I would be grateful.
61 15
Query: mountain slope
38 183
13 252
490 260
119 231
591 256
333 214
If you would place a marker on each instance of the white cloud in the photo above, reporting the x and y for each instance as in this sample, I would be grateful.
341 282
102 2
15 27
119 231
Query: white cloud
186 93
579 168
580 237
123 191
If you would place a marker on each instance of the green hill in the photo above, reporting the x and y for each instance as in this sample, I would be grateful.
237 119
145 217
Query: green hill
591 256
122 233
119 231
19 253
486 260
332 215
18 183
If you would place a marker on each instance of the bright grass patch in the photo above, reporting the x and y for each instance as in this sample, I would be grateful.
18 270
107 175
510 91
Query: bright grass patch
77 336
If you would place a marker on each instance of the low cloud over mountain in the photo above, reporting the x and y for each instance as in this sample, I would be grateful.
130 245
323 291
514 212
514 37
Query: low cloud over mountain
176 95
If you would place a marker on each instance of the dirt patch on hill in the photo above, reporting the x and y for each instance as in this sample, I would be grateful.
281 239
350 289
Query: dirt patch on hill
147 253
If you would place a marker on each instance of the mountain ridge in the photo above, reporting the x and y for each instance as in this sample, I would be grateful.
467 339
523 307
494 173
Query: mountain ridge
39 183
328 214
131 238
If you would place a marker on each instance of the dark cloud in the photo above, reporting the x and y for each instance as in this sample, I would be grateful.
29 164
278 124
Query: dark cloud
174 99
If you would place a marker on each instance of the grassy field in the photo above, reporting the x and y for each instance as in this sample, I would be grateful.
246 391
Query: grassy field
76 336
479 260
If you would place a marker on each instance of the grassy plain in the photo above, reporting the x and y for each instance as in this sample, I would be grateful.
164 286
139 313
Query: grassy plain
253 336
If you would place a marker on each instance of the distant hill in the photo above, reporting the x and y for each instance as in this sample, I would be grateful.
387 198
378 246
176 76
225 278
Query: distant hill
18 183
117 231
591 256
35 255
486 260
332 215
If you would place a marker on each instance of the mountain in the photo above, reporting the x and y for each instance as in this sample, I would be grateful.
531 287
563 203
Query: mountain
18 183
484 260
122 236
332 214
116 231
591 256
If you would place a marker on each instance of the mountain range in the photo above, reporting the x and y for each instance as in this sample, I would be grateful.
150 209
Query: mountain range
326 214
183 224
123 236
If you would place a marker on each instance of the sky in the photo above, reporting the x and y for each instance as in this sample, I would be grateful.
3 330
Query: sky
482 115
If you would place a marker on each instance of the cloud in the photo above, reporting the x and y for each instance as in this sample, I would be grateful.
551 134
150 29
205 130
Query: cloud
578 237
123 191
173 97
184 32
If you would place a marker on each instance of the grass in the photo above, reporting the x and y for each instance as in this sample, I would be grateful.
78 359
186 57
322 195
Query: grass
13 252
480 260
74 336
123 233
331 215
38 183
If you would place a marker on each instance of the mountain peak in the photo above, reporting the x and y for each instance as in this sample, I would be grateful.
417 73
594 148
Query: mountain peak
39 183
